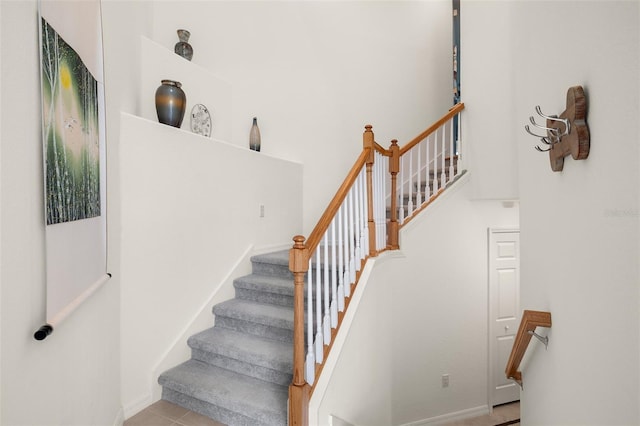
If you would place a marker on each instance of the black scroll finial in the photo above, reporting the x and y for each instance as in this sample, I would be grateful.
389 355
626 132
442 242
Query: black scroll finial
43 332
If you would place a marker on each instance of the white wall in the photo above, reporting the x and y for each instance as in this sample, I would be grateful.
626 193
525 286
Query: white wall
424 313
355 384
190 212
440 310
486 80
71 377
323 70
579 227
314 73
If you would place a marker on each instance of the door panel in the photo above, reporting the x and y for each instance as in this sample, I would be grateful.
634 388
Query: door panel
504 311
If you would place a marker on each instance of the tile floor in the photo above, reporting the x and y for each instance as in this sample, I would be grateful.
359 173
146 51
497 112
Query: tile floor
501 414
163 413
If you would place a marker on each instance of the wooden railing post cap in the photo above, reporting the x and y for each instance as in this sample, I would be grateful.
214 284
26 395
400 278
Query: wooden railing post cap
368 127
394 142
298 256
298 241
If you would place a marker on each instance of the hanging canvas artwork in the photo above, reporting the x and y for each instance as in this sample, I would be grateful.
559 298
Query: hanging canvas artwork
70 131
73 154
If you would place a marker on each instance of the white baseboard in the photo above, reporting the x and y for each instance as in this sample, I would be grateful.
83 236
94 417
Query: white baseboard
337 421
119 420
136 406
451 417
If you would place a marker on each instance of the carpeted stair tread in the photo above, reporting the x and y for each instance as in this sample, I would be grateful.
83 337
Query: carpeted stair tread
245 310
259 400
268 284
280 257
246 348
274 264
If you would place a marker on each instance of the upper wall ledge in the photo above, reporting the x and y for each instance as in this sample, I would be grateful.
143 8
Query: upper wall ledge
158 63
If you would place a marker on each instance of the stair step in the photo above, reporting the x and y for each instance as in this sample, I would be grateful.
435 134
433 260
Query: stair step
274 264
270 321
229 397
264 359
265 289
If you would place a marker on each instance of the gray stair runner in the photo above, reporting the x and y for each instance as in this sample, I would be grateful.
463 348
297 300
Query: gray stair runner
422 189
240 368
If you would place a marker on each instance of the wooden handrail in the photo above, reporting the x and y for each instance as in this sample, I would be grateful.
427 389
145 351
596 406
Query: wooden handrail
382 150
325 220
530 320
413 142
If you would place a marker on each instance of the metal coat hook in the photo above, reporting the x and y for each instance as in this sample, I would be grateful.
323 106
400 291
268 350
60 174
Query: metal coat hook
544 139
565 121
567 133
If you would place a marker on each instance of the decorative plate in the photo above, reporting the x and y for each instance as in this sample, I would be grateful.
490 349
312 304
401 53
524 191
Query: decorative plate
200 120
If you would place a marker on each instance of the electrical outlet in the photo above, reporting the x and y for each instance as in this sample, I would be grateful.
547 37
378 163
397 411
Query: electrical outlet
445 380
261 210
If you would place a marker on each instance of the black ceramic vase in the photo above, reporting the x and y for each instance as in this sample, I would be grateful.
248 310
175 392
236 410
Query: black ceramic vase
183 48
171 103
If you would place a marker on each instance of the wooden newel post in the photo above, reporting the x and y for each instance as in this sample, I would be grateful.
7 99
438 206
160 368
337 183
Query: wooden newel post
299 389
368 141
394 168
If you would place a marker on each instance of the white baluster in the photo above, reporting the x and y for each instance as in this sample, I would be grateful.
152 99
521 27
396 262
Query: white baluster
410 188
319 338
427 189
418 181
451 153
401 192
443 175
364 215
341 269
347 250
326 319
334 277
310 362
383 204
377 198
364 218
381 208
356 229
360 248
352 238
459 152
435 163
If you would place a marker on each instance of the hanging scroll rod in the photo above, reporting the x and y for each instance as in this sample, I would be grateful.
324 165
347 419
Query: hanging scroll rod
48 328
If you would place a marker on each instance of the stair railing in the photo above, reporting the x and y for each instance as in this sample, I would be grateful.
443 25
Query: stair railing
428 163
530 320
326 267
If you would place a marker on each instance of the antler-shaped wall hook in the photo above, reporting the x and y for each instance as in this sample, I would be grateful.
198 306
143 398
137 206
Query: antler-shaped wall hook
565 134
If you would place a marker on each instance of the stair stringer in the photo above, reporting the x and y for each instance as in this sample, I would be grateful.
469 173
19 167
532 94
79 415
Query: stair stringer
179 351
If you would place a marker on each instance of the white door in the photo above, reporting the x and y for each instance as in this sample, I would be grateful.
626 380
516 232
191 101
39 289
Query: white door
504 311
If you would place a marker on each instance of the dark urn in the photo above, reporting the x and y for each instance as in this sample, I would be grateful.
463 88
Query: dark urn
171 103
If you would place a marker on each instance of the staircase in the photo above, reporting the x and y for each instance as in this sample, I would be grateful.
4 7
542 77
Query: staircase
410 202
240 368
